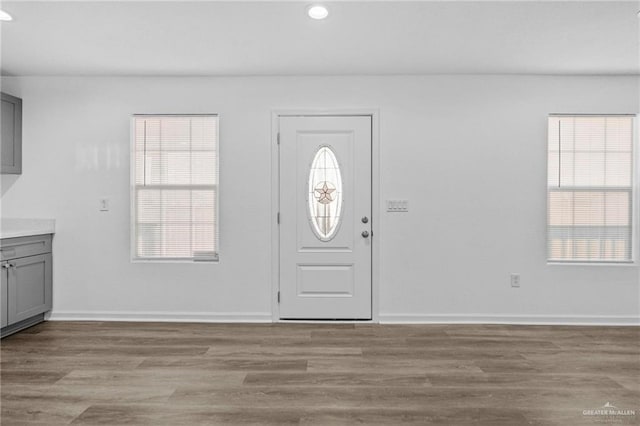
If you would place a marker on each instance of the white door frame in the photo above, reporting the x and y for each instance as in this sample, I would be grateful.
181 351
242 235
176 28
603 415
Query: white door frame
376 209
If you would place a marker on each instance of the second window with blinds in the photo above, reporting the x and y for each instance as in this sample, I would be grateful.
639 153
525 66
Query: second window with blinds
174 187
590 188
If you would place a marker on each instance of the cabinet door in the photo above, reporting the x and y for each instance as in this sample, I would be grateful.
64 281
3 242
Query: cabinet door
29 289
4 314
11 142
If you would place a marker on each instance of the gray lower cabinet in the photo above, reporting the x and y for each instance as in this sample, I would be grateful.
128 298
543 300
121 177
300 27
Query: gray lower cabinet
11 134
26 272
4 315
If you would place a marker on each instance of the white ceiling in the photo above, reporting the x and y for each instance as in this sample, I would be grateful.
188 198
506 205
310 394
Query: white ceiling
277 38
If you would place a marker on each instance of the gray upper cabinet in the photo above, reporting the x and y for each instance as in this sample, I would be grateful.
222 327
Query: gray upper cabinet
11 142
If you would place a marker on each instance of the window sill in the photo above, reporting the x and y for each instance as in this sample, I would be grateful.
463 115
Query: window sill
615 264
205 262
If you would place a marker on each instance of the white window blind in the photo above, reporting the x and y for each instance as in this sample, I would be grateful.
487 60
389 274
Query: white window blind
175 187
590 188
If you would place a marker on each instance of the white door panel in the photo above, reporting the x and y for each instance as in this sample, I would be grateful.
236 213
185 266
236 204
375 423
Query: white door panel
325 191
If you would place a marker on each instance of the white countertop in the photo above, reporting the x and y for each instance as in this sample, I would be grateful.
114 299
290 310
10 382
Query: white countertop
16 227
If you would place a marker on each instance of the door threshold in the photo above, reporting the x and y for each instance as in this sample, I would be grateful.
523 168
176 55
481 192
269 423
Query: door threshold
324 320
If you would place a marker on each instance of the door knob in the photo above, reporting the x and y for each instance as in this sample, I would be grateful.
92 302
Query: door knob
365 219
365 234
5 266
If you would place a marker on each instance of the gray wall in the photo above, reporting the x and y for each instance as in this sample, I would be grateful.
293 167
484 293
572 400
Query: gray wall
468 152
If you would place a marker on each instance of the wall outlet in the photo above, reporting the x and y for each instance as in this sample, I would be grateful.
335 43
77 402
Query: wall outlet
515 280
104 204
397 205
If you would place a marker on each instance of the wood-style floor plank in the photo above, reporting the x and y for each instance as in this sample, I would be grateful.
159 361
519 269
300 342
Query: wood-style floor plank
350 379
132 373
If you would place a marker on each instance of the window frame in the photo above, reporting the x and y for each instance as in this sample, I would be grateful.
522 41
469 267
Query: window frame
634 192
133 192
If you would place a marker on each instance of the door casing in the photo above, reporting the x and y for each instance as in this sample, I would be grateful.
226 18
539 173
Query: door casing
376 209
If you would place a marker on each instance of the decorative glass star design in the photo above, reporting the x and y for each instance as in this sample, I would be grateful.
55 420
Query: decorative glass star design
323 192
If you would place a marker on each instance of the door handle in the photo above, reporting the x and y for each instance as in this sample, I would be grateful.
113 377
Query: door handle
6 266
365 234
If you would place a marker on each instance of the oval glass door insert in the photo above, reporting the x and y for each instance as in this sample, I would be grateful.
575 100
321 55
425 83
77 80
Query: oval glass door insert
325 194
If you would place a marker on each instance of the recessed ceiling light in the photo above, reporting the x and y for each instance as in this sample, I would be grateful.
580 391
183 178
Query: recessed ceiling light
317 12
4 16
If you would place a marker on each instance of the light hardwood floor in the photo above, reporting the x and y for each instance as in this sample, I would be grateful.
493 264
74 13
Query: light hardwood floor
107 373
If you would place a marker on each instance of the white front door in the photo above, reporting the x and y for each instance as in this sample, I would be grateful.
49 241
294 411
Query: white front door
325 217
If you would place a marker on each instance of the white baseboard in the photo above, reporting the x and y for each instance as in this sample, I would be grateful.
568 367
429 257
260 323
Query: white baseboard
509 319
265 317
140 316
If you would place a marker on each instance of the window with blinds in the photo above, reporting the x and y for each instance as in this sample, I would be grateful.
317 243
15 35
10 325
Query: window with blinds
175 187
590 188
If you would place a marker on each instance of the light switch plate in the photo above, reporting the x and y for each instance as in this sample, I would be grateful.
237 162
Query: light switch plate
515 280
397 205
